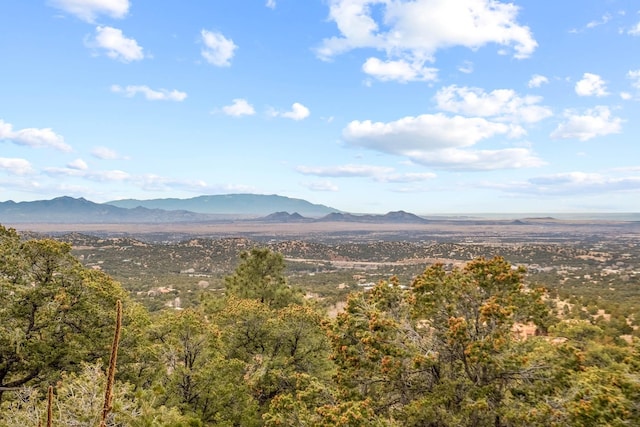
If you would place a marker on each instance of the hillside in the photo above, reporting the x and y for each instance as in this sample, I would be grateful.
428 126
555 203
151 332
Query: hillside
231 204
398 217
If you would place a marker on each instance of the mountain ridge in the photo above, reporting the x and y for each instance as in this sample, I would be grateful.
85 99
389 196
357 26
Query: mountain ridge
229 204
69 210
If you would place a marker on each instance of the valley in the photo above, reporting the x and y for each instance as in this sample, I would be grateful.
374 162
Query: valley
588 262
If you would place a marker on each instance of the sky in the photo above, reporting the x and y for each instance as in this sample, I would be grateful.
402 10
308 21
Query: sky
366 106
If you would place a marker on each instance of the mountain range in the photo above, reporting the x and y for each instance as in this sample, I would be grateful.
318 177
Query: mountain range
231 204
255 207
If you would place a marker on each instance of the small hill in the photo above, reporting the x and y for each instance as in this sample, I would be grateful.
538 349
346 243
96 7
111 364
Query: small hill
397 217
283 217
232 204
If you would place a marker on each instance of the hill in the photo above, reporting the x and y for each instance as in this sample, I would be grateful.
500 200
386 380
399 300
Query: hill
397 217
232 204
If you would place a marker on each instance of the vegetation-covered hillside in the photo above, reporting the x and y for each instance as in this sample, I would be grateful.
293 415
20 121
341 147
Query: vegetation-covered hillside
468 344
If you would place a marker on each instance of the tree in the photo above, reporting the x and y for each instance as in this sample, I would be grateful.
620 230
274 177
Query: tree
78 402
260 276
198 379
442 353
54 313
274 346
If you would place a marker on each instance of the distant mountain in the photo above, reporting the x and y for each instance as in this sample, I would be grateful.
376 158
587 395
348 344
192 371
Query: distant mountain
81 211
399 217
232 204
283 217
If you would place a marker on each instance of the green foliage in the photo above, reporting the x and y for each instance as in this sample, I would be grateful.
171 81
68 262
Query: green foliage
54 314
78 402
260 276
198 379
442 352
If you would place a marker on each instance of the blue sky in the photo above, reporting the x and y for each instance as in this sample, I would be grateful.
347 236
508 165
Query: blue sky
430 106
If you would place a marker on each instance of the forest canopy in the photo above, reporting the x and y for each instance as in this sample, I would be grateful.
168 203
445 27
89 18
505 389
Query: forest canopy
447 349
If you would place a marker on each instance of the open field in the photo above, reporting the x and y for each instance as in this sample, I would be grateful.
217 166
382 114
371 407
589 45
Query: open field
523 230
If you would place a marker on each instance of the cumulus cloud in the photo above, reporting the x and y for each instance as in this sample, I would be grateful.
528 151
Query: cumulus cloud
16 166
89 10
271 4
426 132
400 70
594 122
116 45
297 112
218 50
537 80
417 29
503 104
591 85
104 153
33 137
441 141
240 107
150 94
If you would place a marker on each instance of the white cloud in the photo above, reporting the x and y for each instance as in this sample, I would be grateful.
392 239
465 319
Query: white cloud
634 75
150 94
591 85
33 137
400 70
377 173
16 166
417 29
626 96
426 132
297 112
605 18
503 104
271 4
595 122
117 46
441 141
635 30
537 80
573 183
240 107
153 182
78 164
343 171
479 160
321 186
88 10
466 67
408 177
218 50
96 176
105 153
